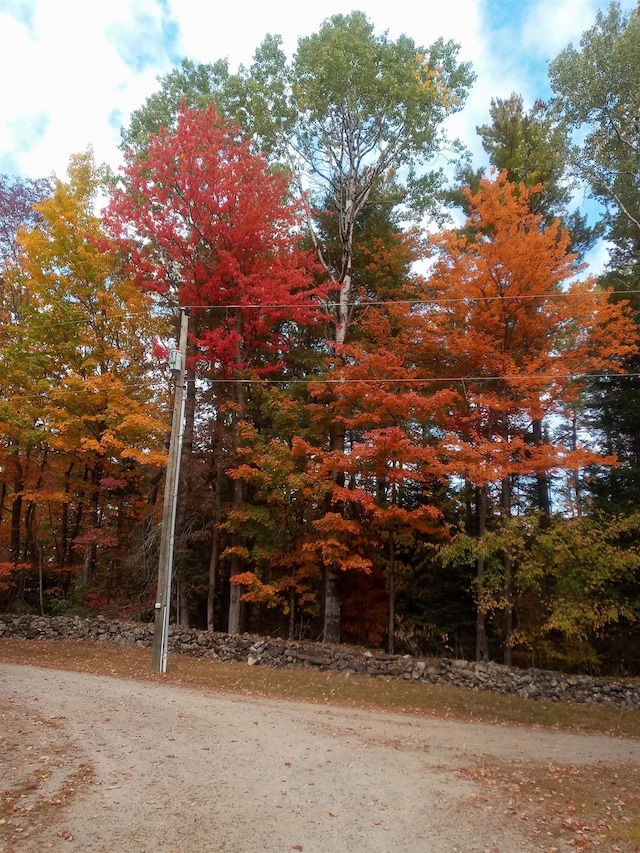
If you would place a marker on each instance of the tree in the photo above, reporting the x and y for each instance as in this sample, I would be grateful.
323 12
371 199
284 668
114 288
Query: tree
194 85
582 574
257 99
573 586
596 91
351 111
520 335
81 420
209 226
382 502
299 519
533 149
282 496
17 198
612 414
368 108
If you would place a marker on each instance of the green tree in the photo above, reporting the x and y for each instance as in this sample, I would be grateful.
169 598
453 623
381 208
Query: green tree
369 107
598 96
596 90
257 98
533 148
574 586
612 415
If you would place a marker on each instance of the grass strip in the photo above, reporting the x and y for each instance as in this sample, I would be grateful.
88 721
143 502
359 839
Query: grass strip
309 685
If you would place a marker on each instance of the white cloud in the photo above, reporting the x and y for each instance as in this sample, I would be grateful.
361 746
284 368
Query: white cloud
76 62
552 24
72 71
64 66
209 31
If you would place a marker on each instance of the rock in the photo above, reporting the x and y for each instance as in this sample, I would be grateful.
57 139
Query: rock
253 650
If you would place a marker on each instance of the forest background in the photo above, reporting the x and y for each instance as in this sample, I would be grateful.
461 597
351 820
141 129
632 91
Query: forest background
411 419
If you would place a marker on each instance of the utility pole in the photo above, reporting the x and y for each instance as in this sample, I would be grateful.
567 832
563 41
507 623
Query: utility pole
167 537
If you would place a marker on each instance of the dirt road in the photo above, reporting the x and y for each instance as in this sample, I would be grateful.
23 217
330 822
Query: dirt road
138 768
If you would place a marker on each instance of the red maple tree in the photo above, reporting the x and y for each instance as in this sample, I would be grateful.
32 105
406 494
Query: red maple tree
210 226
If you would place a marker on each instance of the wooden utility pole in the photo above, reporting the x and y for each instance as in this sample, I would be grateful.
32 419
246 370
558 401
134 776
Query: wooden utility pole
167 536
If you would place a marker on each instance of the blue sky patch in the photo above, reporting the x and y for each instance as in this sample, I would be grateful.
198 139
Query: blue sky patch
28 130
505 23
9 164
504 14
149 41
22 10
116 119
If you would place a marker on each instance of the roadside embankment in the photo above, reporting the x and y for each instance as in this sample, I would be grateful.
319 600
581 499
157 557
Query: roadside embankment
273 652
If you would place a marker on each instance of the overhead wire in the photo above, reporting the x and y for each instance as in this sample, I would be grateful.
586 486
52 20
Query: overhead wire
436 300
323 381
377 303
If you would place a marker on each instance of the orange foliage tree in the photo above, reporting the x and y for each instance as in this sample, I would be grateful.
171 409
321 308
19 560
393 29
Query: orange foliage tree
392 464
81 426
518 335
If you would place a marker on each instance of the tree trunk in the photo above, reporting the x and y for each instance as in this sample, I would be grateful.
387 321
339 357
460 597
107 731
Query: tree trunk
94 519
40 584
292 613
182 601
88 563
234 607
508 611
3 496
507 563
392 595
576 473
235 594
211 586
482 645
332 586
332 604
542 479
215 551
236 568
16 511
63 546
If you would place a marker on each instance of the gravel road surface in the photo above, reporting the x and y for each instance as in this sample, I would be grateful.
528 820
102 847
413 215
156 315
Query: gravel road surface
128 767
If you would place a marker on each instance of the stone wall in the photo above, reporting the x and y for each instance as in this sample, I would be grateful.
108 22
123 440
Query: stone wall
265 651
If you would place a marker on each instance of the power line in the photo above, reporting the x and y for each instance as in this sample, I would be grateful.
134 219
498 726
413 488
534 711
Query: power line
424 380
436 300
547 377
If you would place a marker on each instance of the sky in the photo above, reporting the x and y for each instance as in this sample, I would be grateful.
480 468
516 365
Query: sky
72 71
